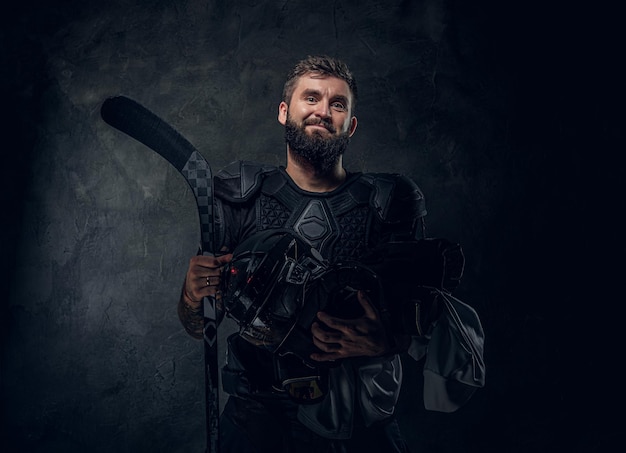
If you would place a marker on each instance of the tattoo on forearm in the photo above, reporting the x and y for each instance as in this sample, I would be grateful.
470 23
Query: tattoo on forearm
191 318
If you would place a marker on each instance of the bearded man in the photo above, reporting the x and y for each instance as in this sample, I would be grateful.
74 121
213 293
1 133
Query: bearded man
304 374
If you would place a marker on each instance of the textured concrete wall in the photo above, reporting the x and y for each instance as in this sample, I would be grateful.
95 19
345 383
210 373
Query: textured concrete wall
470 100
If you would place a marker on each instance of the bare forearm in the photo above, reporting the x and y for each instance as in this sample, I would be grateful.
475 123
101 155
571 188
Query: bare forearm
190 315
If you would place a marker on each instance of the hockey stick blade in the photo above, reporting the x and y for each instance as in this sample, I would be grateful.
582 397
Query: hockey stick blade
138 122
144 126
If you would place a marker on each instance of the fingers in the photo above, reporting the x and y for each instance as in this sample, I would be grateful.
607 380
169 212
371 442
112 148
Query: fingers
204 276
325 335
213 280
350 325
325 356
342 325
327 342
223 259
338 338
204 266
333 345
209 262
366 303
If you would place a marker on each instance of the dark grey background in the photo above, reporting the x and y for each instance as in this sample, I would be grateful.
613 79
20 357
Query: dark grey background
505 113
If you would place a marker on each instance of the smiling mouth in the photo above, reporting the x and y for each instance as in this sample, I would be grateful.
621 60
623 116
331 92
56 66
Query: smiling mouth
320 126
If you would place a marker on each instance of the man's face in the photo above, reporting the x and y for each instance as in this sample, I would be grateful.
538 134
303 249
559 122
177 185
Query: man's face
318 121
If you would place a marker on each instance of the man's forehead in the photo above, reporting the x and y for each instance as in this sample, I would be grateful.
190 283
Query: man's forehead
311 79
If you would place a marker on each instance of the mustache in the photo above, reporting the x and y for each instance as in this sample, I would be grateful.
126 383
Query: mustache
320 122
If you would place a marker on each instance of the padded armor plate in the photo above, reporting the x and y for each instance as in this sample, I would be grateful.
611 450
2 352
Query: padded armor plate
240 180
315 224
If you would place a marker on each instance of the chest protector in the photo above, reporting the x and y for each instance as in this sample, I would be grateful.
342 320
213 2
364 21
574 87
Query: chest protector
300 254
342 225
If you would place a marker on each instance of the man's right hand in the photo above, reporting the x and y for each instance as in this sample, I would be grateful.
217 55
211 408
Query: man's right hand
204 277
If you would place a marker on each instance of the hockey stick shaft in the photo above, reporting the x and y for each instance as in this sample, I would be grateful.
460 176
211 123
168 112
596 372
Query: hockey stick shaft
138 122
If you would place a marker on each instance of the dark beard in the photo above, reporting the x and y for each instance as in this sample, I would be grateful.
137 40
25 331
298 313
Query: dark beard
322 153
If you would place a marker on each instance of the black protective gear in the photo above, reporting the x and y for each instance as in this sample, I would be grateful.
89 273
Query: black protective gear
342 225
412 274
276 284
265 285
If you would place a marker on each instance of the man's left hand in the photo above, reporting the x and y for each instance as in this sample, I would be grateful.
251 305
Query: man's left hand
339 338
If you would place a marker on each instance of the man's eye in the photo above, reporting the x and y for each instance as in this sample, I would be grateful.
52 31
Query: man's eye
339 106
310 99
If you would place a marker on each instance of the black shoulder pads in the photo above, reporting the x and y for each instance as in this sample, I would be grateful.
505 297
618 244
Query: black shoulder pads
395 197
240 180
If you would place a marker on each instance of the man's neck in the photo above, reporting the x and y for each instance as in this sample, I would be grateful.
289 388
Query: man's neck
308 179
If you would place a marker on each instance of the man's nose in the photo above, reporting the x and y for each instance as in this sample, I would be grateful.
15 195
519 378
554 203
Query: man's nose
323 110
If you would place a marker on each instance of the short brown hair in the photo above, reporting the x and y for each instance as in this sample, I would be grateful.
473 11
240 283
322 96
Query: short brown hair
322 65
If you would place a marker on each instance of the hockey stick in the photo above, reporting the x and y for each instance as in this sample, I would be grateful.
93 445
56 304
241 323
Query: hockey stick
144 126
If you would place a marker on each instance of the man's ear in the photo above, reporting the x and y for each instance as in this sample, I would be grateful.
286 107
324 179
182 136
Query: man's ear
352 128
282 113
